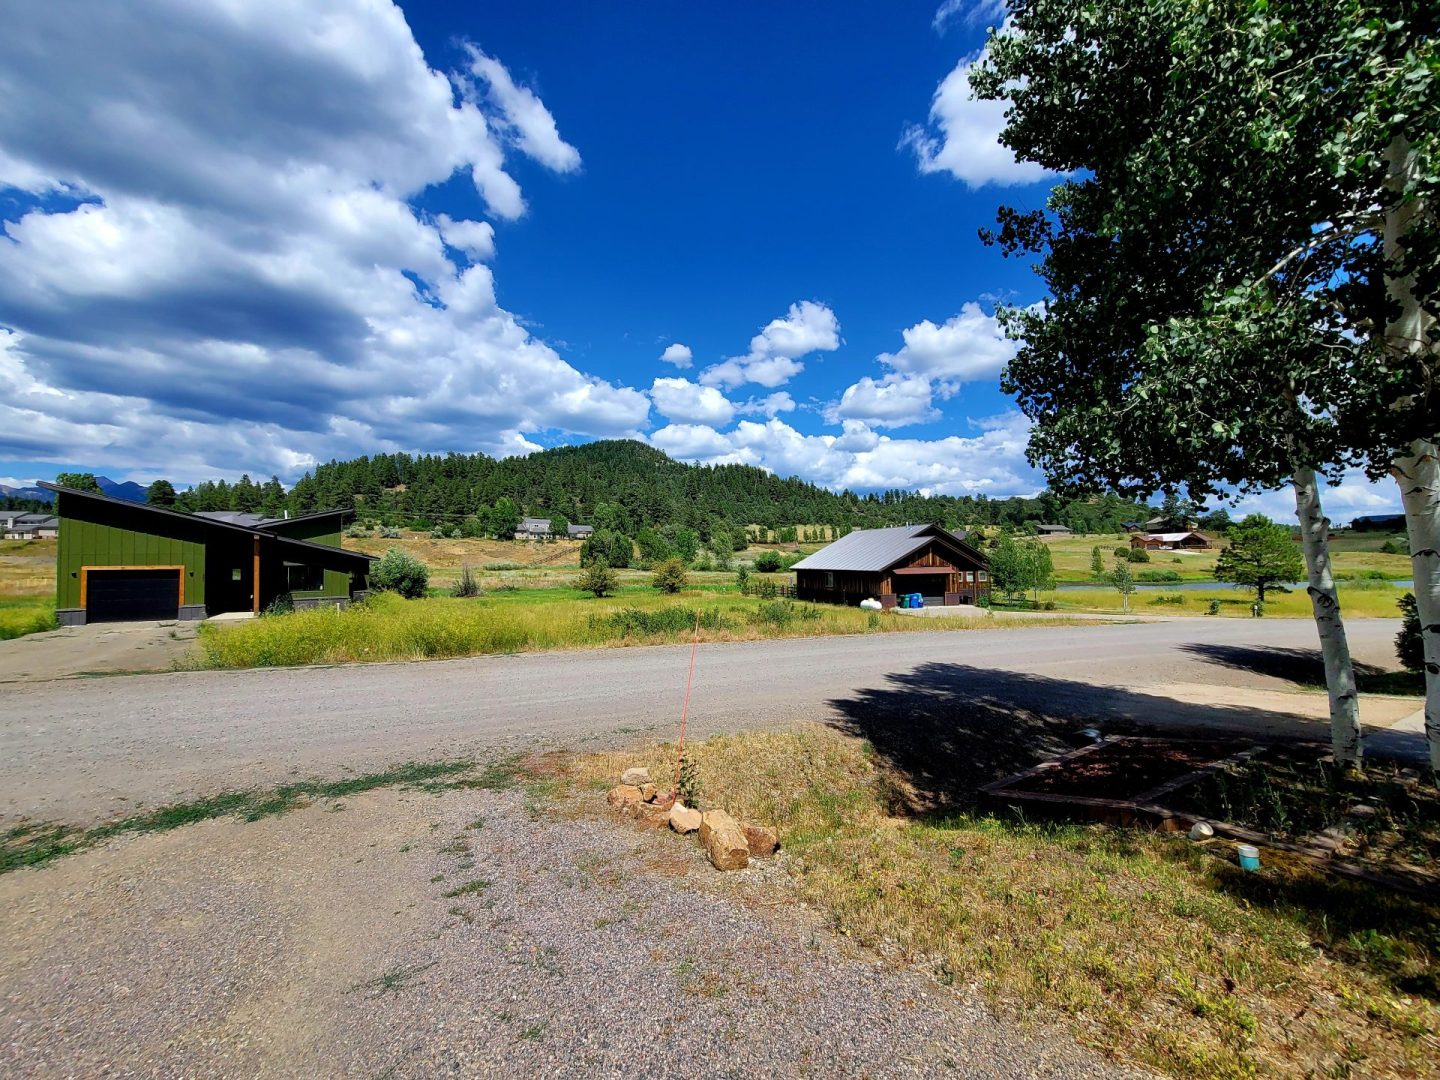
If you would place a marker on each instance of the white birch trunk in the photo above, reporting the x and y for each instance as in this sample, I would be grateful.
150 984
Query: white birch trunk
1419 477
1325 602
1417 472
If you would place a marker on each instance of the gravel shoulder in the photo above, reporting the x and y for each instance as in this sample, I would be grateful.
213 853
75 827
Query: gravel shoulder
322 942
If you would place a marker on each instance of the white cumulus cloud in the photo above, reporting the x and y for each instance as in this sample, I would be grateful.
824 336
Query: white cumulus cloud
893 401
228 271
962 137
677 354
776 351
683 401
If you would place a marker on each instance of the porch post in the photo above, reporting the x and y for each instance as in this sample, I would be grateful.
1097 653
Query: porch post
255 579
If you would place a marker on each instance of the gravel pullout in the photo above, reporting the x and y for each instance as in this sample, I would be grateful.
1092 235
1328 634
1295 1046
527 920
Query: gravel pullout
324 944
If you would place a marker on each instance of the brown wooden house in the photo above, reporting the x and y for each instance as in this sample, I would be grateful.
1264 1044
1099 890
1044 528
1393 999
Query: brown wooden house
1176 541
883 563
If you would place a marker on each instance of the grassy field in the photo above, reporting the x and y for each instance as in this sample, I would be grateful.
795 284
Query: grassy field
533 619
1278 973
27 587
1358 600
1354 555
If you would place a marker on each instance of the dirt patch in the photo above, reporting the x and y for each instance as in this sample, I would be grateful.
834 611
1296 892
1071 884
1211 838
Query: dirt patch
99 649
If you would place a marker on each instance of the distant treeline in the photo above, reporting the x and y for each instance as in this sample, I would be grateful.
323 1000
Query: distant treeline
625 486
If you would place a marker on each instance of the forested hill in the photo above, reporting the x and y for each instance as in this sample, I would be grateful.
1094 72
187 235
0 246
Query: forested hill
624 485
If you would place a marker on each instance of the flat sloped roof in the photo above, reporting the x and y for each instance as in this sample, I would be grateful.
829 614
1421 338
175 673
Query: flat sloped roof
213 522
869 549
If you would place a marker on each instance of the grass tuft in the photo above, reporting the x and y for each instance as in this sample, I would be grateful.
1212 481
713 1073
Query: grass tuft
34 844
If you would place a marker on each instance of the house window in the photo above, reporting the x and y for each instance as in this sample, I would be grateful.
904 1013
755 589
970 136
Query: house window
984 576
970 577
300 577
237 574
829 580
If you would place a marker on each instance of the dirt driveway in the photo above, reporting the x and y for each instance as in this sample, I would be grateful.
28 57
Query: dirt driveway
100 649
474 933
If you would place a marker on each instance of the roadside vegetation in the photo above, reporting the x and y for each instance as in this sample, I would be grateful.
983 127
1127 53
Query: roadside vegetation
387 627
32 843
27 587
1277 973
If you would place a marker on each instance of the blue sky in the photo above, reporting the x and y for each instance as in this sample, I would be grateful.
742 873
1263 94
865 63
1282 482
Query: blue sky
250 237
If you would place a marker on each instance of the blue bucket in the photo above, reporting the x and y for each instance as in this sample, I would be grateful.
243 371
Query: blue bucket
1249 856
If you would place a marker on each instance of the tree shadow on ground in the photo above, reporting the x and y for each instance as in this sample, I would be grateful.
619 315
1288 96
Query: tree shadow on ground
950 729
1305 667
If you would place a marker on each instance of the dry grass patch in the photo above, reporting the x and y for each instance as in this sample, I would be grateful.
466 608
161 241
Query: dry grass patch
1156 950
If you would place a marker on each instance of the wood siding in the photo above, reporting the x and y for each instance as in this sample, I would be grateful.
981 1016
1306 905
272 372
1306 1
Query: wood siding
124 538
955 568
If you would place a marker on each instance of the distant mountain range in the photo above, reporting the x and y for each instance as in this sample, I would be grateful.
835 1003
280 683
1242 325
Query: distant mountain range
129 491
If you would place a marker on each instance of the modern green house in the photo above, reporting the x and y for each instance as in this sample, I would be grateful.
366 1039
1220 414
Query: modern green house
120 560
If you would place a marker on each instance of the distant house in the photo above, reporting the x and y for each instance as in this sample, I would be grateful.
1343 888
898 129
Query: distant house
1054 530
1164 524
1133 526
883 563
32 526
1171 541
579 532
120 560
532 528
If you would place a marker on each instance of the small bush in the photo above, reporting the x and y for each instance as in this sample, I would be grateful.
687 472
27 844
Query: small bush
1122 551
688 790
781 613
742 578
768 562
1213 608
389 533
646 622
1138 554
467 586
670 576
598 579
399 572
283 604
1158 576
1396 545
502 566
1170 598
1409 646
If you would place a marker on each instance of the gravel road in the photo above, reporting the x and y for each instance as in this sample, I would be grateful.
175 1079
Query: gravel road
85 749
323 943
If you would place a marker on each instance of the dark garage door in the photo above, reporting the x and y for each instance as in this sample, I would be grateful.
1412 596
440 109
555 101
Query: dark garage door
115 595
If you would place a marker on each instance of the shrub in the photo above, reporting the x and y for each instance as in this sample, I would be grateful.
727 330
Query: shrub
400 572
1122 551
388 532
283 604
768 562
742 578
644 622
781 613
1396 545
1170 598
599 580
1138 554
670 576
1409 646
688 790
467 586
1158 575
1213 608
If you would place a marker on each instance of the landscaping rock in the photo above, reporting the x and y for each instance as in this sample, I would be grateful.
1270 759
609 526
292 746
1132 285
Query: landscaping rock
683 819
623 795
761 840
635 777
648 792
724 841
652 814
